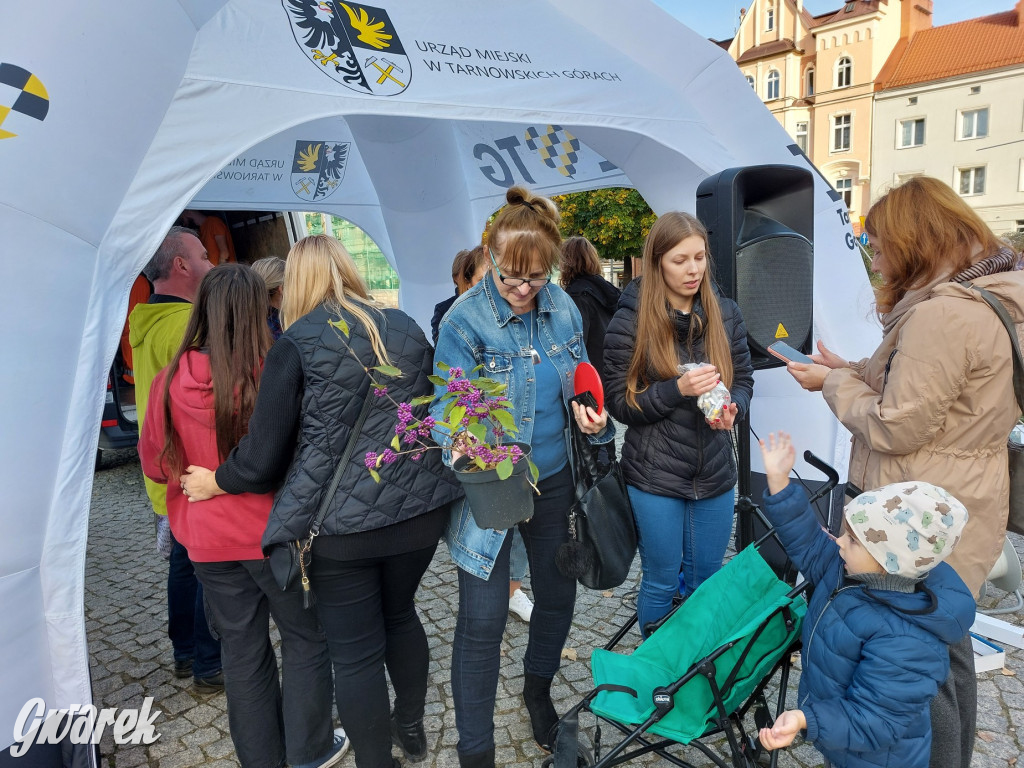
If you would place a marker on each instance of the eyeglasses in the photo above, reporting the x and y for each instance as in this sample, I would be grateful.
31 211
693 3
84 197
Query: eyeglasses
515 282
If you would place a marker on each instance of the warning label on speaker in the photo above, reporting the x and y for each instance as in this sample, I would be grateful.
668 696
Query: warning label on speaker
781 332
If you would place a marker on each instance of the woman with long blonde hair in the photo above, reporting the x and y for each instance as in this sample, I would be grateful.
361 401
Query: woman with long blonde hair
678 464
376 540
935 401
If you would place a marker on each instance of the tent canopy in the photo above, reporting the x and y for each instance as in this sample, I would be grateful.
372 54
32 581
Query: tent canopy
408 118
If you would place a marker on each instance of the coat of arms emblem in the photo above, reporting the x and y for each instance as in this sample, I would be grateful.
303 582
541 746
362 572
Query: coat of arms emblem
353 44
318 168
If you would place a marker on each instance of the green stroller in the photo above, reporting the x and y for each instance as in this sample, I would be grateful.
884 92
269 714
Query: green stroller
697 676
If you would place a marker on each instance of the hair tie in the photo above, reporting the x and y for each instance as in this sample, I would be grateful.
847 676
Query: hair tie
528 204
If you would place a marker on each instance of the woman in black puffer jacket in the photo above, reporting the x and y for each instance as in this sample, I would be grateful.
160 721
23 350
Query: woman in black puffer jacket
678 465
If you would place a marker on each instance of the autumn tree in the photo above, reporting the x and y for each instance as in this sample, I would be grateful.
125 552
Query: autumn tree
615 220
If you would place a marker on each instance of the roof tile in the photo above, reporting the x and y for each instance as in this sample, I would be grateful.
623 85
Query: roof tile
975 45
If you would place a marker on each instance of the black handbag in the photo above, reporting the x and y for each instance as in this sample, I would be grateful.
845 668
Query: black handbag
1015 519
602 531
290 559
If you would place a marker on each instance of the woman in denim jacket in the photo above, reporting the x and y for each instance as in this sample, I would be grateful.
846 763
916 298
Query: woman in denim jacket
527 334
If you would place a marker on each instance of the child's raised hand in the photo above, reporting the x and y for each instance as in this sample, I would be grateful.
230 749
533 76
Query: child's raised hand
779 456
787 726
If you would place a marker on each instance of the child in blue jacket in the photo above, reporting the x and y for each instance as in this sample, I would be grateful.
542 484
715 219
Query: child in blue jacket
883 611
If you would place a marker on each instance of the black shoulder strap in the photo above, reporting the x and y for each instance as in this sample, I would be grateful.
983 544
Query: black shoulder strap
1004 316
345 457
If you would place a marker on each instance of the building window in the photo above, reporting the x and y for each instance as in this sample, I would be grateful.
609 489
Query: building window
845 189
972 180
912 101
974 123
769 19
773 85
844 72
841 125
801 136
809 82
910 133
750 82
1020 225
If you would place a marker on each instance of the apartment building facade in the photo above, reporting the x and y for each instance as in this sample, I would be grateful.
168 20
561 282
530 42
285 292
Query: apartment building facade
951 105
817 76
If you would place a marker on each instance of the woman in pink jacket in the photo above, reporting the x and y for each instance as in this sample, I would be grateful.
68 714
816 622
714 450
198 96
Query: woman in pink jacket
935 401
198 410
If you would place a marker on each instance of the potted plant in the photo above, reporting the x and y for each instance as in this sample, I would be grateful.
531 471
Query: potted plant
497 474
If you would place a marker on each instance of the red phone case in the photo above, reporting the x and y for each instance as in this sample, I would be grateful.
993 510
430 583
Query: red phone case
586 378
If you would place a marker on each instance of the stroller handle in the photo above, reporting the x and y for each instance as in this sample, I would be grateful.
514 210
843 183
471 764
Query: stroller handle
826 469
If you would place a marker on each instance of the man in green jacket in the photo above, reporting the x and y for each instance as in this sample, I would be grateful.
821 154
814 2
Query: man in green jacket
155 331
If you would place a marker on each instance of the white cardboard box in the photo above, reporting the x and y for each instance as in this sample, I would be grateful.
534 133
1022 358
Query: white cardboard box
987 655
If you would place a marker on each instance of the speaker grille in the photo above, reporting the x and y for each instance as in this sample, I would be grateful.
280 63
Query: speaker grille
774 286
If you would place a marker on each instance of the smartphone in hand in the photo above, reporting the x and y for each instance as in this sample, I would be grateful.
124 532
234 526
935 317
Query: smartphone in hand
783 351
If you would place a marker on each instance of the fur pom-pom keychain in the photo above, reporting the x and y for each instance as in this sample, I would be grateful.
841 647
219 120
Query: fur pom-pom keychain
575 557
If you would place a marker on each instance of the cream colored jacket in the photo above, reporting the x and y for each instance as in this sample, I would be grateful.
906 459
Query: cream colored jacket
935 402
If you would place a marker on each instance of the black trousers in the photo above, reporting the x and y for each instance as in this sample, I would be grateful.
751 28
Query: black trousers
367 609
955 711
269 722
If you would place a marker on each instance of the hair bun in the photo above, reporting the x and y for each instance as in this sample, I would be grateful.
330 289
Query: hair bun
516 196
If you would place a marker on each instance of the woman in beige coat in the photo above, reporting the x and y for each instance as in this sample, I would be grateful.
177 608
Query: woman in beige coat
935 401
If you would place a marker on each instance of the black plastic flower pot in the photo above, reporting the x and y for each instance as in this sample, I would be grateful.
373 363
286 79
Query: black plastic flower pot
493 502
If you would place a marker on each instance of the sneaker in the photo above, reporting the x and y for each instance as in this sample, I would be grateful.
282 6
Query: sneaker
183 669
338 751
521 605
208 684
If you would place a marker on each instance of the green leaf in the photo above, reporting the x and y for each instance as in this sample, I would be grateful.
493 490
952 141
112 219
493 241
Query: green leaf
477 368
421 400
437 381
388 370
504 469
395 444
442 366
341 325
478 431
479 462
457 415
534 472
505 419
375 476
379 460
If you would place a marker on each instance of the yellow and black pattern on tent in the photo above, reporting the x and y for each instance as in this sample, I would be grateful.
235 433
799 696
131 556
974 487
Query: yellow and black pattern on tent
556 146
22 97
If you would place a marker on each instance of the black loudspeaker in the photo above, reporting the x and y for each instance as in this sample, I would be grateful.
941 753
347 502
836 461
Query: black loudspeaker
760 222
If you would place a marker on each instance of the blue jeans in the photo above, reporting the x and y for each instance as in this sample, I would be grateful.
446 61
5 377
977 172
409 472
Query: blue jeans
186 617
518 563
674 532
270 722
483 612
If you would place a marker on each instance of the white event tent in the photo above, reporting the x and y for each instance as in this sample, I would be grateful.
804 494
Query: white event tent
408 118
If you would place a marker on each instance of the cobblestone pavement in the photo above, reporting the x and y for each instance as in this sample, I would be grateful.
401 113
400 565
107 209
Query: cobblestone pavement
125 600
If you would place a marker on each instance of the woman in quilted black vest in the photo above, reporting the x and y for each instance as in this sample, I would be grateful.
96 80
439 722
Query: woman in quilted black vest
376 540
